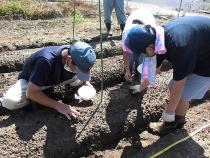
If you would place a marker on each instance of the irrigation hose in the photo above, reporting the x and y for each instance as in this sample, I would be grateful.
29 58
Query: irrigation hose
179 141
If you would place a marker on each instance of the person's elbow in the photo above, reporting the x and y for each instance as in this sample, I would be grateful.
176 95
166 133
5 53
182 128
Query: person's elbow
32 91
29 94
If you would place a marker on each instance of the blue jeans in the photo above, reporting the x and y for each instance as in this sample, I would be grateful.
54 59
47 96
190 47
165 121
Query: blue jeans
109 5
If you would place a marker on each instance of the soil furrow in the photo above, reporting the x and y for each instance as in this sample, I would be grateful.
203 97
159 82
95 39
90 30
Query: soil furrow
13 60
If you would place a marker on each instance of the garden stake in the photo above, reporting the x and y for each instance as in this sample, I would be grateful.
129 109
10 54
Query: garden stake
102 74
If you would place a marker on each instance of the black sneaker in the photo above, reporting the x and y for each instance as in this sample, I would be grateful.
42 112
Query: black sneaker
163 128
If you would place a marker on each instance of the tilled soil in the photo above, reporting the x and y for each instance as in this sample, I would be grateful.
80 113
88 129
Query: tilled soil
46 133
114 124
118 115
21 34
14 60
144 144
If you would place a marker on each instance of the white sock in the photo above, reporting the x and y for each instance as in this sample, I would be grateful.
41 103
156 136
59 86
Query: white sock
168 116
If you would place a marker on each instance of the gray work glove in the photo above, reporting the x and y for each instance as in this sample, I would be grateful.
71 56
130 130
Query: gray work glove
135 89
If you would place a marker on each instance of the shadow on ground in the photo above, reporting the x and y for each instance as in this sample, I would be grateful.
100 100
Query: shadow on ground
188 148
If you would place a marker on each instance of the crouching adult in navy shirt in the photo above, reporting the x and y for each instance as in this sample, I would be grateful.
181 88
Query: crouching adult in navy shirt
48 67
185 42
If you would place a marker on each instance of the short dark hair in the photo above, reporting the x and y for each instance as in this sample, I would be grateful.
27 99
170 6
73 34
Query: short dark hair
152 31
136 21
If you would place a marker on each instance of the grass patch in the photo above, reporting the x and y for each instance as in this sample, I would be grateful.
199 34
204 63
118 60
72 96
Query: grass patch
30 9
37 9
11 9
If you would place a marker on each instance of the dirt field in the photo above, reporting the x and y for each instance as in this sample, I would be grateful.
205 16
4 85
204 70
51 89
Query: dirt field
116 127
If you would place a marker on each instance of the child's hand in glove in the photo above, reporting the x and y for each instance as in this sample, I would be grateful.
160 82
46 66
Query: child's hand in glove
140 87
135 89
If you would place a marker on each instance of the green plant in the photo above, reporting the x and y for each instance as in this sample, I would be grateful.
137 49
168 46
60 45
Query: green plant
78 16
11 9
38 9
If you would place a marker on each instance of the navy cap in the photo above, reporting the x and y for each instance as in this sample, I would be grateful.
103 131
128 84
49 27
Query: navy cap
84 57
139 38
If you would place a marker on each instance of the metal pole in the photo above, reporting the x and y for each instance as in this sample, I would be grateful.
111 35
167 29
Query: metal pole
102 64
74 14
180 5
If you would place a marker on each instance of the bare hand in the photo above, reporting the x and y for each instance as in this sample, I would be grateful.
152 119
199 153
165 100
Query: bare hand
128 76
144 84
158 70
68 111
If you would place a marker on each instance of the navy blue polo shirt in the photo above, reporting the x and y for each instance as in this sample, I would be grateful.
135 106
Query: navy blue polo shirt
187 41
45 67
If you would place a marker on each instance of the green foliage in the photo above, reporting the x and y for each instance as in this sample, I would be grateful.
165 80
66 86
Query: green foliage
39 9
11 9
78 16
29 9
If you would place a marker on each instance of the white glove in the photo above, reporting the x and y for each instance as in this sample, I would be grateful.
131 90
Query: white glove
168 117
135 89
76 96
